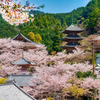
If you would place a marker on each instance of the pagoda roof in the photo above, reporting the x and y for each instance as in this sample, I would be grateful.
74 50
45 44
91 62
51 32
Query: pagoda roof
73 28
19 34
22 61
18 79
11 91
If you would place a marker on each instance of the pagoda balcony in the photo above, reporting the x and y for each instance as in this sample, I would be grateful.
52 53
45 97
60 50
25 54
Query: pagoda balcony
73 43
72 34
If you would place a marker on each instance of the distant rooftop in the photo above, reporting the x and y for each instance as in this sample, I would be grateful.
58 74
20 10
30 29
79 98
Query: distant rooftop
73 28
22 38
11 91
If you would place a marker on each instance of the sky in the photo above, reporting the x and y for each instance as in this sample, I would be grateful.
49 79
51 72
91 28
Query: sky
59 6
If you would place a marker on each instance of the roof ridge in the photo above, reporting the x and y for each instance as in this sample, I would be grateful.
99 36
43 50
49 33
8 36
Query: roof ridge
25 60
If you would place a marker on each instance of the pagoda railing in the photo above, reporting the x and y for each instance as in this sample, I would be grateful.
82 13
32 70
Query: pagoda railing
72 35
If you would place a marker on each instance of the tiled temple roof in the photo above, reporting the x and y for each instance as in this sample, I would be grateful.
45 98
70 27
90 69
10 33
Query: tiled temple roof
22 61
11 91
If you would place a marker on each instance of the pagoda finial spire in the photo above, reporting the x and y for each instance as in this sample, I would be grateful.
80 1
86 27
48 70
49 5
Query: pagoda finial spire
72 18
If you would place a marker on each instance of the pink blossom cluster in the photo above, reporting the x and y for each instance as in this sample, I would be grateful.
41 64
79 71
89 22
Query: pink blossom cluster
15 13
56 77
90 83
76 52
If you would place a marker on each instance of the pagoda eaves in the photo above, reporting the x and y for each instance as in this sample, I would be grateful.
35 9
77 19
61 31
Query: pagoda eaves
72 28
70 38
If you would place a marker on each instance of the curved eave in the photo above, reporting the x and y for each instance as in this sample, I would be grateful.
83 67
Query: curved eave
21 64
70 45
66 31
75 38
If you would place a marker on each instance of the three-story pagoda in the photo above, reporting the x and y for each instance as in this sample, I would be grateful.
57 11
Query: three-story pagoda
72 38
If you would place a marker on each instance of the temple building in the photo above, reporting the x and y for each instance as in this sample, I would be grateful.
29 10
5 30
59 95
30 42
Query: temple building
27 44
23 63
72 38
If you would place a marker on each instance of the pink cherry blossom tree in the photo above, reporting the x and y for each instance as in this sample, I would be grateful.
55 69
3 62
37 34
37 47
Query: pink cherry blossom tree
55 78
48 78
16 13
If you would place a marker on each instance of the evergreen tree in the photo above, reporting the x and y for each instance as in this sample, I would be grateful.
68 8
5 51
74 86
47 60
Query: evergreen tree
93 17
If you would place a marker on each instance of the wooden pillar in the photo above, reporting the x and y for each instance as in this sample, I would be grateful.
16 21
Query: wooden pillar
93 56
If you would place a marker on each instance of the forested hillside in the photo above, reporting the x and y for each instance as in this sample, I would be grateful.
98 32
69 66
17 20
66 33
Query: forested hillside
65 17
49 26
